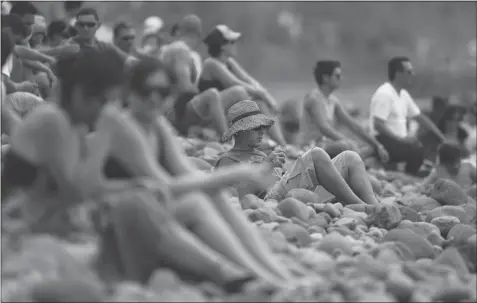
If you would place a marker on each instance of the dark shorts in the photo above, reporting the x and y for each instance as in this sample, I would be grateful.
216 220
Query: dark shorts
186 114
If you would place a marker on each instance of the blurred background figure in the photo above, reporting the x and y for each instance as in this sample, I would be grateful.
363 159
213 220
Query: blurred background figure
6 7
124 37
150 40
57 32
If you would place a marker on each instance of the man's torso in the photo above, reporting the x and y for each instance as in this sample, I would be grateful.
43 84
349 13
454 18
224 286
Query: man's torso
398 114
310 130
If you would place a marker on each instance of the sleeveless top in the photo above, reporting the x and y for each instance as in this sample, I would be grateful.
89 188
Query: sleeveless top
205 84
310 130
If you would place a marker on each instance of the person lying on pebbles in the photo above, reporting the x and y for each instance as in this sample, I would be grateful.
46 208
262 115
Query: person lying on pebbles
450 166
343 176
142 144
49 161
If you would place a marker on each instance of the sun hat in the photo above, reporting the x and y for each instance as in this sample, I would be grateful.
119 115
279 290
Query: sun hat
244 116
221 34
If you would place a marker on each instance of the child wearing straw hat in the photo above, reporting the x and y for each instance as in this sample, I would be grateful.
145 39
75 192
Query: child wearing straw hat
344 176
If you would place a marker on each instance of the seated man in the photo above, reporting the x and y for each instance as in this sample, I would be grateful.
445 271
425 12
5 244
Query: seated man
343 176
391 108
316 117
450 166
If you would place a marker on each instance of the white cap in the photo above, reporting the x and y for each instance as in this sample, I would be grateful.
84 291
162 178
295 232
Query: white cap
152 25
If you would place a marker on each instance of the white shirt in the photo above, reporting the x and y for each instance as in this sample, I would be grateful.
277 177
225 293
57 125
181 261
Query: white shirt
393 108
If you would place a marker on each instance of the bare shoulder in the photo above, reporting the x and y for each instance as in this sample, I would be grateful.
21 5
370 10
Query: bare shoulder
176 49
311 98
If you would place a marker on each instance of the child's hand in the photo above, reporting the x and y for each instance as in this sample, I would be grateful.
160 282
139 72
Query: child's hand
277 158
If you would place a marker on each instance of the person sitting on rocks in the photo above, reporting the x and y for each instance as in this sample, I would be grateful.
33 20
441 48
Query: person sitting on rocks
320 112
222 72
143 145
194 107
391 109
450 166
343 176
49 161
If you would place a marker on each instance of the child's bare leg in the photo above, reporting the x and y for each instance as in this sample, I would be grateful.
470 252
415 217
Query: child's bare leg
147 237
352 169
330 178
197 213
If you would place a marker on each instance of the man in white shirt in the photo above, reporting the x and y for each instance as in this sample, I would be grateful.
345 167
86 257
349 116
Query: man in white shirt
391 108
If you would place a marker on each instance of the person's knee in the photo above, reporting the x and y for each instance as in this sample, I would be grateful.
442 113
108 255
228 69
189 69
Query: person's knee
319 155
211 93
238 93
351 158
192 208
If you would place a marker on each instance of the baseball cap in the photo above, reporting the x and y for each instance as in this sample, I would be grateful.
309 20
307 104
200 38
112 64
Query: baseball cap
190 24
222 34
152 25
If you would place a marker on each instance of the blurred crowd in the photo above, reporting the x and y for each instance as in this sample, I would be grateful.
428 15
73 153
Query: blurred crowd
101 125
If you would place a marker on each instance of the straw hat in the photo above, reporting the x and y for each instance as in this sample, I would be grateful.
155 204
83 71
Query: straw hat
243 116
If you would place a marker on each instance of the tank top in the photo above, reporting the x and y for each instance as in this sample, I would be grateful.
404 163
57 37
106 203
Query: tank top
310 130
205 84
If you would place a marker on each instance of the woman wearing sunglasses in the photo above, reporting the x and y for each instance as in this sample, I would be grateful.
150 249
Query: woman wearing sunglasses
209 217
51 168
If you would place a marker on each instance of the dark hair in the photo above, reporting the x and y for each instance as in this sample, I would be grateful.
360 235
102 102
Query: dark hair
70 6
71 31
395 65
118 27
324 68
214 50
22 8
142 69
94 70
7 46
57 27
87 11
449 153
16 25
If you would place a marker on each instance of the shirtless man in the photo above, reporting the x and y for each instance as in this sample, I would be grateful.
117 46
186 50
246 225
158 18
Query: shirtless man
193 108
317 116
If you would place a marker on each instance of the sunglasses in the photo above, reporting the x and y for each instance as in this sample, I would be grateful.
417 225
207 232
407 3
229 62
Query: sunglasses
86 24
148 90
128 38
